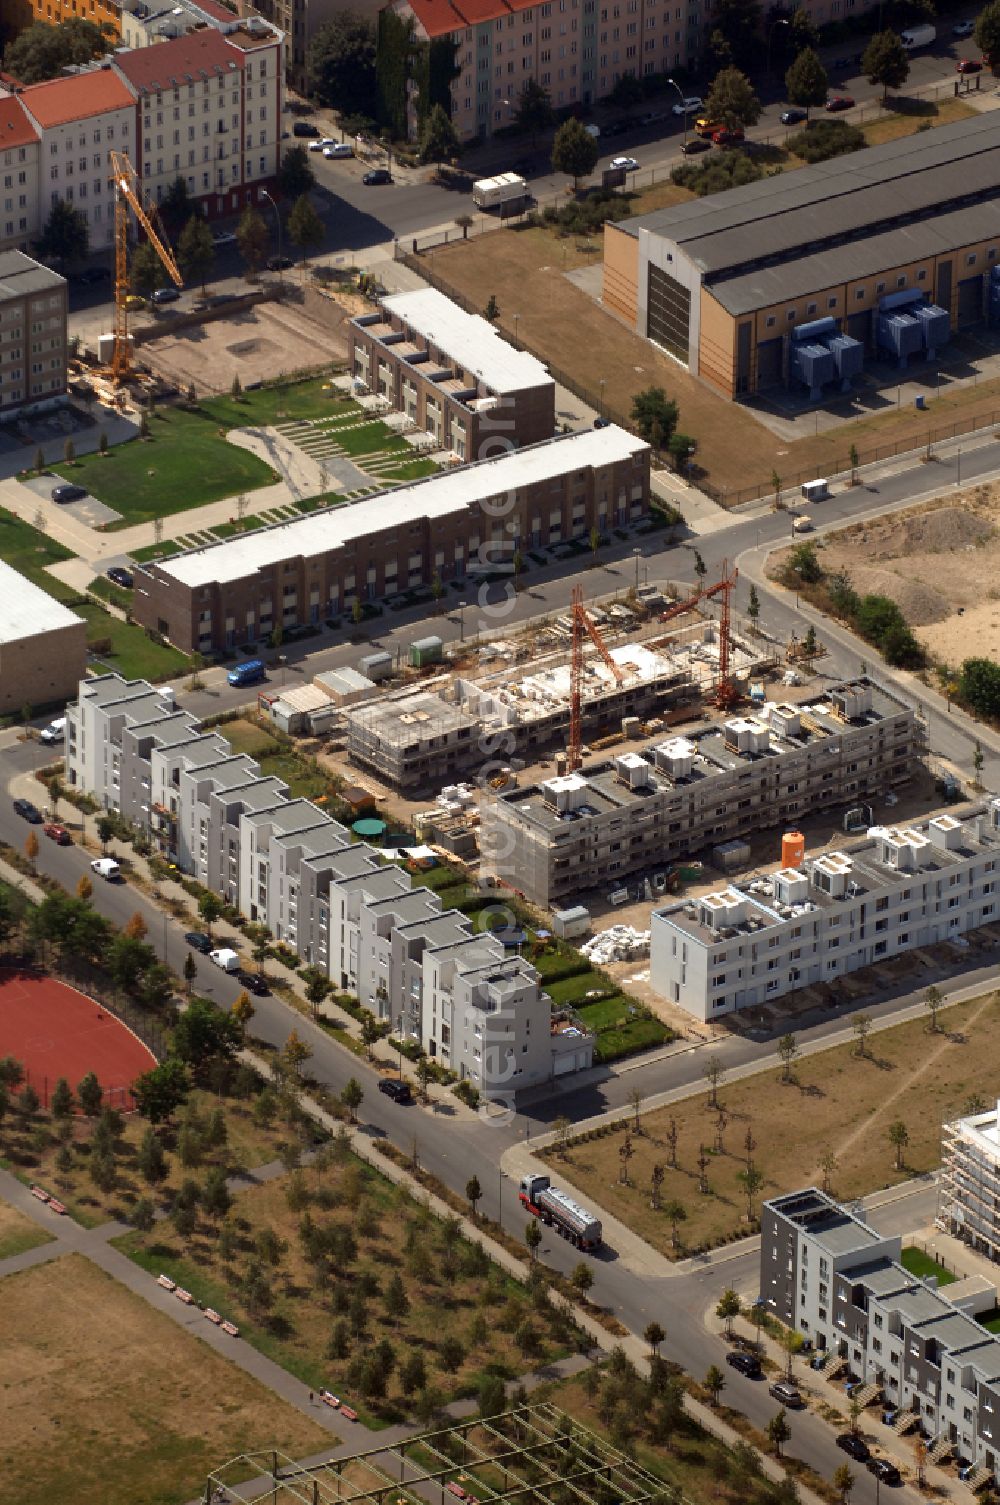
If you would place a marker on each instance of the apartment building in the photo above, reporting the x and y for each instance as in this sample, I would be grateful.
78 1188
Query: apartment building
78 121
145 23
300 20
717 782
575 49
208 109
414 739
339 905
102 13
452 374
898 889
19 170
32 333
43 645
455 525
969 1186
826 1273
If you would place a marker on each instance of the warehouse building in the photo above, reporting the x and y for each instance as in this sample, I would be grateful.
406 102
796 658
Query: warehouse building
43 646
802 279
897 890
455 525
717 782
452 374
969 1204
828 1275
336 902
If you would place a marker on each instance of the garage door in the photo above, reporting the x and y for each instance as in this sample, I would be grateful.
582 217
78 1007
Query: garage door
562 1064
859 326
768 364
970 302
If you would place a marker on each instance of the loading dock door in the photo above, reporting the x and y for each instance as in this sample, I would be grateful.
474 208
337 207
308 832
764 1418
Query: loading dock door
970 302
769 364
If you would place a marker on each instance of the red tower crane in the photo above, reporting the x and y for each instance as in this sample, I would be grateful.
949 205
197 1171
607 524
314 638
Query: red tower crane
582 624
726 693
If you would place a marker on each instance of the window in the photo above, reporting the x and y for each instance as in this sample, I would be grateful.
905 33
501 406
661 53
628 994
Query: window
810 308
970 260
769 322
859 295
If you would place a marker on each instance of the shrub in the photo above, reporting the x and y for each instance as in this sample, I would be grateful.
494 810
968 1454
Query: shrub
717 173
825 139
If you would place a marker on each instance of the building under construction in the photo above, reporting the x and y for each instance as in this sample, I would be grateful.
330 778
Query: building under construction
721 780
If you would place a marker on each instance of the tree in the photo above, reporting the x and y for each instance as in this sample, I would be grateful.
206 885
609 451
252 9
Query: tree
340 63
791 1341
127 959
715 1383
473 1193
778 1432
305 227
215 1195
714 1075
295 1054
862 1029
732 100
788 1049
204 1033
253 239
296 178
803 562
806 82
62 1099
438 138
190 970
653 406
146 272
654 1336
885 61
675 1213
370 1032
533 1237
209 908
492 1395
42 51
933 999
843 1480
728 1309
151 1159
158 1093
31 847
90 1095
828 1166
582 1278
143 1215
574 151
534 111
28 1103
351 1097
177 206
196 250
492 310
736 33
751 1180
103 1171
987 32
397 1303
135 926
451 1352
243 1011
899 1138
84 888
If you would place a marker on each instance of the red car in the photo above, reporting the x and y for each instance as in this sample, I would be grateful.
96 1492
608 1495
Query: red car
969 65
840 102
727 137
58 833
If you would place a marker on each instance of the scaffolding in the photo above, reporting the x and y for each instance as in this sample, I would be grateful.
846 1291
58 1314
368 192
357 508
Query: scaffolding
530 1454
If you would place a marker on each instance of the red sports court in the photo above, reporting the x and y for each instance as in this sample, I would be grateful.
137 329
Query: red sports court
54 1031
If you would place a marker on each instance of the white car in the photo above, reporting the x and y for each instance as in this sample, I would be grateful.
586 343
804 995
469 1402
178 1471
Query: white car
629 163
106 868
963 28
321 144
338 149
224 238
687 105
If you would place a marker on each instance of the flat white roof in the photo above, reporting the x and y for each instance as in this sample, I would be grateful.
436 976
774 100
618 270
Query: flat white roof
318 532
469 339
26 610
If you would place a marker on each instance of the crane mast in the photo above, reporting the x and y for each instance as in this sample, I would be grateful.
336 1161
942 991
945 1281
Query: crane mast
128 196
582 624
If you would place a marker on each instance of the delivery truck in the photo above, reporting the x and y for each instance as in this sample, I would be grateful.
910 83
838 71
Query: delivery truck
502 192
918 36
557 1210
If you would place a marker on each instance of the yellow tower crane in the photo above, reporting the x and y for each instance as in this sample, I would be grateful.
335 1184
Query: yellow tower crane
127 195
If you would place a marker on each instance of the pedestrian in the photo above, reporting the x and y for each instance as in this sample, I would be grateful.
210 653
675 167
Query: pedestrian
310 1397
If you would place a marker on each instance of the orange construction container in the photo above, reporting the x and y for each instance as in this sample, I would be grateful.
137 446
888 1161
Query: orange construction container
793 849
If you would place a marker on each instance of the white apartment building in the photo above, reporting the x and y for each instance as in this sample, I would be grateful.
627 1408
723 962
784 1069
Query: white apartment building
969 1187
32 334
79 120
898 889
20 148
827 1274
284 863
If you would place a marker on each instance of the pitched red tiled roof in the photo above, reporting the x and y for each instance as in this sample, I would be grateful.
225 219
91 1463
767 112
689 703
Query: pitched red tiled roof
438 17
60 100
16 128
188 59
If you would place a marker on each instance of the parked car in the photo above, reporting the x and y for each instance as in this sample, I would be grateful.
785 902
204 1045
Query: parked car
793 116
133 301
224 238
746 1363
706 127
58 834
602 423
397 1090
305 128
593 130
785 1392
90 275
854 1447
969 65
120 576
690 102
198 941
376 176
629 163
695 145
963 28
885 1471
106 868
254 983
839 102
278 263
166 295
27 811
68 493
321 144
225 958
338 149
728 136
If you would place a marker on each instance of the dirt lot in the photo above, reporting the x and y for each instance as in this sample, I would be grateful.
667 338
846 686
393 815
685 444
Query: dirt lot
18 1233
106 1401
939 562
835 1103
262 343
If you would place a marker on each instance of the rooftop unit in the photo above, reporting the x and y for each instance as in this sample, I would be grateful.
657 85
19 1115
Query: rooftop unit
675 757
945 831
634 771
832 873
785 719
791 886
745 734
904 849
851 701
723 911
567 793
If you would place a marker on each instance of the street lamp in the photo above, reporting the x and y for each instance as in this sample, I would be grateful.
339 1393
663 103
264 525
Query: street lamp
461 620
516 345
958 477
601 385
684 113
277 216
770 35
637 555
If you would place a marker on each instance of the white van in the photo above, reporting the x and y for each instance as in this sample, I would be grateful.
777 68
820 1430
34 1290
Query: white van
107 868
228 960
54 732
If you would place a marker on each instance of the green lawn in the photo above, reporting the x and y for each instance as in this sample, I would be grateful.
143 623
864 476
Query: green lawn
575 989
244 737
413 470
28 551
286 402
922 1265
185 463
990 1320
368 437
302 782
109 591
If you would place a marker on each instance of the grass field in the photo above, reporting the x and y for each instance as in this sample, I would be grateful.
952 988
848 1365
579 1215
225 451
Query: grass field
287 402
107 1401
909 115
244 737
28 551
835 1103
922 1265
18 1233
